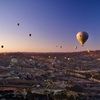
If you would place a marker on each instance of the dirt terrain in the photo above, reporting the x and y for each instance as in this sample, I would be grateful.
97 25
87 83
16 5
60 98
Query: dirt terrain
78 72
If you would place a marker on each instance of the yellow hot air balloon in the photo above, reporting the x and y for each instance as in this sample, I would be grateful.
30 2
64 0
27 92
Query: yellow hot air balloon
82 37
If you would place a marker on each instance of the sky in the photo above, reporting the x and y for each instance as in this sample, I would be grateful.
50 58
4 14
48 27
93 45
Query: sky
51 23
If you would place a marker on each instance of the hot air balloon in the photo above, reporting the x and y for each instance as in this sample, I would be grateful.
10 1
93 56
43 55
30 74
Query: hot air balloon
82 37
17 24
29 34
88 50
75 47
60 46
2 46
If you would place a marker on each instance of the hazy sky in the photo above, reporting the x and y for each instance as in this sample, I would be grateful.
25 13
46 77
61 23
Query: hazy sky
51 23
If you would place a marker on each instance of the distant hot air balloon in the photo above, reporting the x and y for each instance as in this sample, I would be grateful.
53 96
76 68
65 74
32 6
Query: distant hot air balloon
88 50
2 46
17 24
29 34
60 46
82 37
75 47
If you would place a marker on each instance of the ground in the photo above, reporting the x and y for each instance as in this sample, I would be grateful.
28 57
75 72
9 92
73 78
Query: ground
76 71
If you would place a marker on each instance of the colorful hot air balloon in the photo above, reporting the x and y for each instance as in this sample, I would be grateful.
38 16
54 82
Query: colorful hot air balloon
82 37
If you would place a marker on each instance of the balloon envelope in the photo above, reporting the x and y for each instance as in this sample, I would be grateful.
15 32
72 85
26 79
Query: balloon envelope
29 34
82 37
2 46
88 50
75 47
60 46
17 24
